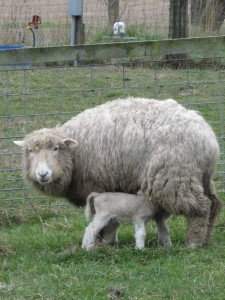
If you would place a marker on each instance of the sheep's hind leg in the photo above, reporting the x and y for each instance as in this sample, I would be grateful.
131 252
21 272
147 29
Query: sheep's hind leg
196 231
197 225
92 232
163 229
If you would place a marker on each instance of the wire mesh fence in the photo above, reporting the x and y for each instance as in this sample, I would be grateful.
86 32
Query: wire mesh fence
34 97
150 18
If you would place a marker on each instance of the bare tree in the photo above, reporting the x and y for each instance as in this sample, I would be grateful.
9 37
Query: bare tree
197 9
178 19
178 28
112 10
213 15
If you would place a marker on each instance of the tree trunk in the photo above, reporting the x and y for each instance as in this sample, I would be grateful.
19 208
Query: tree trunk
197 10
178 19
113 12
213 16
220 15
178 28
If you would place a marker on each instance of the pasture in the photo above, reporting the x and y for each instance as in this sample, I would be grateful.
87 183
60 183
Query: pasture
41 258
40 242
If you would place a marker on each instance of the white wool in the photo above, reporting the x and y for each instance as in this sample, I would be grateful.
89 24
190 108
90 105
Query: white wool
127 145
112 209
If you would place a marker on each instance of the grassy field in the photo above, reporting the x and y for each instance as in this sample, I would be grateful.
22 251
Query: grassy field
41 258
40 241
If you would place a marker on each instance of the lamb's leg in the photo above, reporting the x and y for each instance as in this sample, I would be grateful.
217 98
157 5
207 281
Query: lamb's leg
92 231
140 234
109 234
163 229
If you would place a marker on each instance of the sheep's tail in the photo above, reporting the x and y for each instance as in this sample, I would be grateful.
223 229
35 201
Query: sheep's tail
215 208
216 204
90 207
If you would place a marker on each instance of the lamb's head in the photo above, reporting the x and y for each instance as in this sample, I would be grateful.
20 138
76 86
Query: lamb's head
47 160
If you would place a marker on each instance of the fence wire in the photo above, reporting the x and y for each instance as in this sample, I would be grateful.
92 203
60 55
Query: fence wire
142 18
36 97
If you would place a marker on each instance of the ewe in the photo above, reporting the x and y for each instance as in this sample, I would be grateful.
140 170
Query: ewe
112 209
159 147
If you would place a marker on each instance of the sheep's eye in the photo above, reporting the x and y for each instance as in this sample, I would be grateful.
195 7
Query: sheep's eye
55 148
30 150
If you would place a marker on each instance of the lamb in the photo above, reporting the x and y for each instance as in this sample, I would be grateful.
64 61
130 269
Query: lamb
126 145
112 209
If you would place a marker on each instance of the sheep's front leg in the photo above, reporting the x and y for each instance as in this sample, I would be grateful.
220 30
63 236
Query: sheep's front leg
140 234
163 230
92 231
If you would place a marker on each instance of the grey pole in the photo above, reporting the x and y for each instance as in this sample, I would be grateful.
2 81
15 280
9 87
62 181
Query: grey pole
73 31
75 9
35 38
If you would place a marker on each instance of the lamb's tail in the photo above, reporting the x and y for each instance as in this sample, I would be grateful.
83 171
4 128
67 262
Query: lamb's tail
90 207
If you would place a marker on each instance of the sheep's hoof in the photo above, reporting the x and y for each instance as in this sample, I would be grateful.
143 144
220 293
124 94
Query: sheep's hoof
166 244
195 245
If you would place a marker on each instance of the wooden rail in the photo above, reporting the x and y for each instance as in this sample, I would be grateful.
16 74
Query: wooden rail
113 50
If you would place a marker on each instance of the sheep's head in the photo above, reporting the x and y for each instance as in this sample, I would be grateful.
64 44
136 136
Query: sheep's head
47 160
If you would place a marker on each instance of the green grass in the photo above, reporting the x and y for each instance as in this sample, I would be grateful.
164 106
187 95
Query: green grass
41 258
40 241
133 32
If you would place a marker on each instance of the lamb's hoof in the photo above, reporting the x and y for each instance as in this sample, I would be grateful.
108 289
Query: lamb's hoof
139 248
87 247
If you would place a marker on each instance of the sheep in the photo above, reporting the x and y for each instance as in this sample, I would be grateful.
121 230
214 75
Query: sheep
112 209
126 145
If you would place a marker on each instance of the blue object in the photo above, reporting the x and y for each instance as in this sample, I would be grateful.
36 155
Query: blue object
75 8
11 48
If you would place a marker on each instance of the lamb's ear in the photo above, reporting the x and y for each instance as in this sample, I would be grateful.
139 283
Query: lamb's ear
19 143
70 143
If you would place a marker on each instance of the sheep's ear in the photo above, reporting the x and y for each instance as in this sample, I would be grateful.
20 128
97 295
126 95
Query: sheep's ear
19 143
70 143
